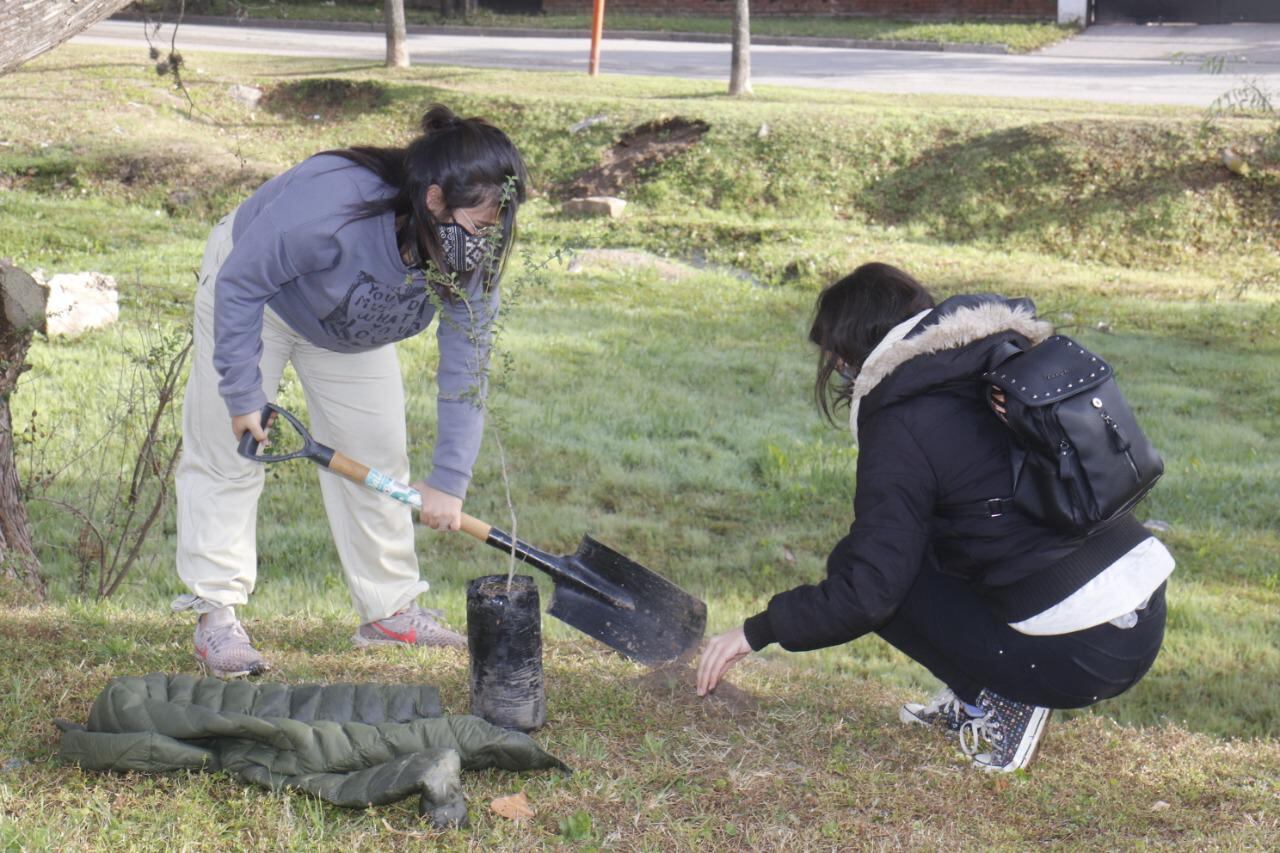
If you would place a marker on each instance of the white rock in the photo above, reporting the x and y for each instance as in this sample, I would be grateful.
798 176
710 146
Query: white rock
591 121
79 302
596 205
629 260
247 95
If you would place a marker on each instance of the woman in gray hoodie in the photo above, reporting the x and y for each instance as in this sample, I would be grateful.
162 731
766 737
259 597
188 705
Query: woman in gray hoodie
325 267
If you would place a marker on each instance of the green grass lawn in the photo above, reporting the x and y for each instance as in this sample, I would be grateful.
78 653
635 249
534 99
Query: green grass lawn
669 416
1017 36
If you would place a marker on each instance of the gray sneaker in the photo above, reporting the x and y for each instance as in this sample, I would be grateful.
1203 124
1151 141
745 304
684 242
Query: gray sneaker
413 627
225 650
944 711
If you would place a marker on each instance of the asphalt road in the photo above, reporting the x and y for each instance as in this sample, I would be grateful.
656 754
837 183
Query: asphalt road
1076 75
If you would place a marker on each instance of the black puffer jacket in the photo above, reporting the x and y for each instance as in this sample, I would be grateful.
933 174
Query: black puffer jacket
927 439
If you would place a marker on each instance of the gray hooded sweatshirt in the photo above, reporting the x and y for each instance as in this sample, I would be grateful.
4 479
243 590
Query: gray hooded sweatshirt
339 281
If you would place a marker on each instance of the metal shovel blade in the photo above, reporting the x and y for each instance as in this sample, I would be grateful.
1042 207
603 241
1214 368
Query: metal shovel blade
665 623
612 598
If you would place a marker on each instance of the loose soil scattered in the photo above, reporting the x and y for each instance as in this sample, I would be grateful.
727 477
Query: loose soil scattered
677 682
638 150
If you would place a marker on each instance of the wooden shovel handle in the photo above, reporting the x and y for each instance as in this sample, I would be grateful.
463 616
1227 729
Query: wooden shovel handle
475 527
358 472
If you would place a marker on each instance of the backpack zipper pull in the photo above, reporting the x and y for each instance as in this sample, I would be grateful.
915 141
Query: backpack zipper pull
1064 455
1117 437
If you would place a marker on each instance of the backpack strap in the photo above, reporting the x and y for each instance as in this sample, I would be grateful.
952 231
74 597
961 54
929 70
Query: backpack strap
1001 353
1038 592
989 508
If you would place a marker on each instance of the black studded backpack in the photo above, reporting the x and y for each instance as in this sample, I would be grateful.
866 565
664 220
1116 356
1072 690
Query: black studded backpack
1080 459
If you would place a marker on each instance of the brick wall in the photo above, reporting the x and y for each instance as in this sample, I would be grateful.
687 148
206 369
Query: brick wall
879 8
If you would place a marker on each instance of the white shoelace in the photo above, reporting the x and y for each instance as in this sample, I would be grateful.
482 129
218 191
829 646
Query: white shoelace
976 730
221 636
946 703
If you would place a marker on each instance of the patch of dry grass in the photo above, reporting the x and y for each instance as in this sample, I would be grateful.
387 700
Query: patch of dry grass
813 763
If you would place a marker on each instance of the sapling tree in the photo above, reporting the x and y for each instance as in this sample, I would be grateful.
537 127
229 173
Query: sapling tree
124 474
484 332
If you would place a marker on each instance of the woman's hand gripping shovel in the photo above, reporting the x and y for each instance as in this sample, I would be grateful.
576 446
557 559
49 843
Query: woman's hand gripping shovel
597 590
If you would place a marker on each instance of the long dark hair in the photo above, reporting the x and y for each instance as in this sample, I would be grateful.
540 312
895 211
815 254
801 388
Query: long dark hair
851 317
472 162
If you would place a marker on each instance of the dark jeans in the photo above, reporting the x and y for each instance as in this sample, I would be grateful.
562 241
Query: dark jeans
945 625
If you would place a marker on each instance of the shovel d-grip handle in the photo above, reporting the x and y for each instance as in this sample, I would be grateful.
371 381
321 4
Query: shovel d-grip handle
251 448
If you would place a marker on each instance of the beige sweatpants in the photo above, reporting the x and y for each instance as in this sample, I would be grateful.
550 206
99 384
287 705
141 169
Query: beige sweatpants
355 403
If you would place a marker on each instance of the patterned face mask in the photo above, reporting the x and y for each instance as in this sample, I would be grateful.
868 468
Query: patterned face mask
463 252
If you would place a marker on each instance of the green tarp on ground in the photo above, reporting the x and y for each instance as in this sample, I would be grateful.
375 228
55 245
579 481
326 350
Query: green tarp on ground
354 745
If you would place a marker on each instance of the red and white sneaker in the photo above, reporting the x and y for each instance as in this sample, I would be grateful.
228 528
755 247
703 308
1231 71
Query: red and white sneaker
412 626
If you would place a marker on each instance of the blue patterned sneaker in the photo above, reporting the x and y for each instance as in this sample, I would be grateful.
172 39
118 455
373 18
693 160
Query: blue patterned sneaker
944 711
1004 738
223 647
412 627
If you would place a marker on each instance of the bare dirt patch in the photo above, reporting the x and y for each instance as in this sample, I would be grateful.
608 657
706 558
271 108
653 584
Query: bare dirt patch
638 150
325 98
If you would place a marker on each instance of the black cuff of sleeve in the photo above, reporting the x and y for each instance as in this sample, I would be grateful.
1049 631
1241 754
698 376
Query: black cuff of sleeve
759 631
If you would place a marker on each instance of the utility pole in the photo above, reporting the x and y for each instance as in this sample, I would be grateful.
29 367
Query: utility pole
597 30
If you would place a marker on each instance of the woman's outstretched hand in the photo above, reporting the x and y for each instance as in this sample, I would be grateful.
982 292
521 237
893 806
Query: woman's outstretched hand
440 510
721 652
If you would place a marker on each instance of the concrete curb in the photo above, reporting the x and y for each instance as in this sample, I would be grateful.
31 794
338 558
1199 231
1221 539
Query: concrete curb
533 32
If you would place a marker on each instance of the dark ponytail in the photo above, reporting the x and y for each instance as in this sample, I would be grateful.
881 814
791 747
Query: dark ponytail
852 316
472 162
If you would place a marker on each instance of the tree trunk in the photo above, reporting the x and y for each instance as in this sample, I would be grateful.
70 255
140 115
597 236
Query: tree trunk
740 63
29 28
22 304
397 49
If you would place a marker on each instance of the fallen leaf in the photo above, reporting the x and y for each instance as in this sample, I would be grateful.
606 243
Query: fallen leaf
514 807
1159 806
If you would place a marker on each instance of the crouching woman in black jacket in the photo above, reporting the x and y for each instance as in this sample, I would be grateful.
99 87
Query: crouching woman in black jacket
1015 617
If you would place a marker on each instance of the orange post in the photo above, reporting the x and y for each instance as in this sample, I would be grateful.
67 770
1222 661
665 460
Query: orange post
597 29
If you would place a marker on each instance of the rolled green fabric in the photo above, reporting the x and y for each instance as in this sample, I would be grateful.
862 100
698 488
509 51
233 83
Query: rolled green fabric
353 745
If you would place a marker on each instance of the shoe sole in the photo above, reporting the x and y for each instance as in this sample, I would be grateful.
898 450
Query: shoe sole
364 642
240 673
908 714
1026 752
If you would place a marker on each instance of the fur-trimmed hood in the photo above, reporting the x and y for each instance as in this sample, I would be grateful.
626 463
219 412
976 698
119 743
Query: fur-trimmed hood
958 334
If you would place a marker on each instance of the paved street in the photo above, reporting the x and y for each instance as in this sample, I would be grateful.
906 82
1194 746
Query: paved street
1086 68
